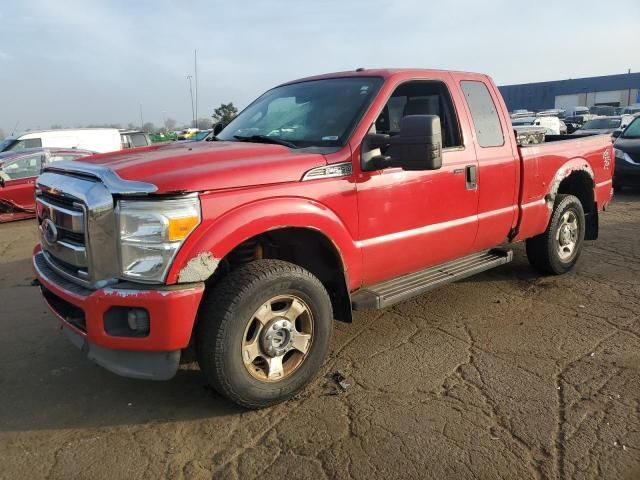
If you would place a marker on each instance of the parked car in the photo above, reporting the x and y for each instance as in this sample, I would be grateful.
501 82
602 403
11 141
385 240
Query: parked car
599 126
18 171
554 112
201 135
577 111
553 125
134 139
95 139
627 153
522 113
632 109
344 191
573 123
603 110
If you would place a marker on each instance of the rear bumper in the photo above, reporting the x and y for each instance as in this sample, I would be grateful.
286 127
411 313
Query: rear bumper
171 312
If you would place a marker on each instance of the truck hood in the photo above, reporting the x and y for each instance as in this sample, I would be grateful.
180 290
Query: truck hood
201 166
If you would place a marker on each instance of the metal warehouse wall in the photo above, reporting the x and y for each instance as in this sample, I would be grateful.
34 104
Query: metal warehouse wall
542 95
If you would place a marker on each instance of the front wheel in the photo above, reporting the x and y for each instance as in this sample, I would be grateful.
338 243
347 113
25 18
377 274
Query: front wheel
263 332
557 250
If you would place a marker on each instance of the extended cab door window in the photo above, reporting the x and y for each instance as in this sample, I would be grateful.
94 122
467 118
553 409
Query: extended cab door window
483 113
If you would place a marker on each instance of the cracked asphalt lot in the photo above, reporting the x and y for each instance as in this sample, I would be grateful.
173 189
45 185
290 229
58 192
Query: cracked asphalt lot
505 375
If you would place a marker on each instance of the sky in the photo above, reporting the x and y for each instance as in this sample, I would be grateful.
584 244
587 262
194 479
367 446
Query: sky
79 62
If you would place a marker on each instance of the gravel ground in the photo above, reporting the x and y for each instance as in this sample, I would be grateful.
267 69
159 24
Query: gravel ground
505 375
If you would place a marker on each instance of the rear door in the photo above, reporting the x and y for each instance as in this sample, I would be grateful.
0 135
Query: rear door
413 219
19 177
498 160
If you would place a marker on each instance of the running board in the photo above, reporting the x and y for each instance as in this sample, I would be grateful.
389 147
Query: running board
402 288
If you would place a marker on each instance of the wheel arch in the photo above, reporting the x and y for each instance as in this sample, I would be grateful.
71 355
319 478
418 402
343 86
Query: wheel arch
577 179
293 229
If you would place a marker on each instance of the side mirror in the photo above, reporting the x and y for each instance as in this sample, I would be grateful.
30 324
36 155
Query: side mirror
217 128
419 144
616 133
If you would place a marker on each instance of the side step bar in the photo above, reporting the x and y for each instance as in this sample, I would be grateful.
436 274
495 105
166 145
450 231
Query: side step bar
398 289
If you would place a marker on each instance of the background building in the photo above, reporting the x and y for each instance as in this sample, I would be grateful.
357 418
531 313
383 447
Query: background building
614 90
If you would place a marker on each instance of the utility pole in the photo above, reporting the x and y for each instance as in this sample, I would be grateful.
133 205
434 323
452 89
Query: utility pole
141 121
193 114
195 68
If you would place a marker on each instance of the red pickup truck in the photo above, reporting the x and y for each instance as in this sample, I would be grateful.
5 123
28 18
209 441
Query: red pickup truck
329 194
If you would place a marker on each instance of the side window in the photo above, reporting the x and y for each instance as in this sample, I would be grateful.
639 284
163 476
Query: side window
421 98
24 167
139 140
125 140
484 114
27 143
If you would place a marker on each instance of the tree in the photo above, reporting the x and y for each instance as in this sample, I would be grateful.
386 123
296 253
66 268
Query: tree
131 126
202 123
224 113
56 127
170 124
149 127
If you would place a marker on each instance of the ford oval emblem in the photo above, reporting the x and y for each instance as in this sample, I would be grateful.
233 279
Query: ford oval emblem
49 231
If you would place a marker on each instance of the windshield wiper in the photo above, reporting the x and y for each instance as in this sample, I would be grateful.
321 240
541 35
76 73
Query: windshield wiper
265 139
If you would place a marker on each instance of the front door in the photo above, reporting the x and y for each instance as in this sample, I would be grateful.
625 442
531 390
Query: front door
410 220
19 176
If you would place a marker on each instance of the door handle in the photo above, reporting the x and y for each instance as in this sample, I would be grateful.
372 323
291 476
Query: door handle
471 174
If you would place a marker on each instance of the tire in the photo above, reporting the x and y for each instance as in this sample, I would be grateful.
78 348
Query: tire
246 308
546 252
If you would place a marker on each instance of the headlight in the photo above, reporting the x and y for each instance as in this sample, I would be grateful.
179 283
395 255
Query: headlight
151 232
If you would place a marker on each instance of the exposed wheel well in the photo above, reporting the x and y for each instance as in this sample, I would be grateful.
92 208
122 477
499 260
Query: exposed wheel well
580 184
307 248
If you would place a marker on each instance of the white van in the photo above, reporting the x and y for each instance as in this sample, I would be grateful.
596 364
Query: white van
99 140
578 111
552 125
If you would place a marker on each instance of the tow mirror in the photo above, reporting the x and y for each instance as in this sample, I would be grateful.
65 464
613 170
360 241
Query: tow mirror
418 146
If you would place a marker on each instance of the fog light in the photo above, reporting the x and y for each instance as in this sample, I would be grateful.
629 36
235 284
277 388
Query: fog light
127 322
138 320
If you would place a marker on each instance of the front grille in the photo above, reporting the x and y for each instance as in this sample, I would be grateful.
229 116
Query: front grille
62 226
76 219
59 199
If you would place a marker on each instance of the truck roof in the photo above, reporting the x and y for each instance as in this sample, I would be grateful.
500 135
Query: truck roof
378 72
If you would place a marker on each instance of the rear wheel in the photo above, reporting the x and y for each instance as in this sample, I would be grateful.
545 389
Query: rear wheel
557 250
263 332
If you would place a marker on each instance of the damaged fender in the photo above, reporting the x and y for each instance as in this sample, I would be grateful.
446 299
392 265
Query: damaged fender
215 238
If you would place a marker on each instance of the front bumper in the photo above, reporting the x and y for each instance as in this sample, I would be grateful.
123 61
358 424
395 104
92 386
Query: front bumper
626 174
171 311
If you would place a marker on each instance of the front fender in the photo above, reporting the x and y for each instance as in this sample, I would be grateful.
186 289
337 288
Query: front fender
215 238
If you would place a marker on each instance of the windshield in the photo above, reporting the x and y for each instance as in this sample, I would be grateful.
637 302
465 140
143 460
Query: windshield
602 124
317 113
632 130
6 143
